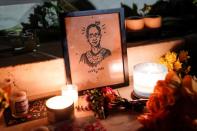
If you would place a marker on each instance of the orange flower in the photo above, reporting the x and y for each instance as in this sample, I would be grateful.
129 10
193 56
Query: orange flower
189 87
183 56
177 65
173 79
163 96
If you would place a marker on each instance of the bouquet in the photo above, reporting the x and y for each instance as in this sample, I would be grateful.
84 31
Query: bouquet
103 101
172 105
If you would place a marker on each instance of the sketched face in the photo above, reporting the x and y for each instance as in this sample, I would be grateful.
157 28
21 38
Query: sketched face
94 36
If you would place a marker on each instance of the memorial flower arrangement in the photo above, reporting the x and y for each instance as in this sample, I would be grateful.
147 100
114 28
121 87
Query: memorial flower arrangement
173 104
102 101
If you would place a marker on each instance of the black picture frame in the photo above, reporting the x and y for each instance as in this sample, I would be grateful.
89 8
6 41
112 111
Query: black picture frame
67 36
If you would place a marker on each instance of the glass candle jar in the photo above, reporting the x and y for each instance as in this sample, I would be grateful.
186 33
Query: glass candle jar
145 76
19 104
59 108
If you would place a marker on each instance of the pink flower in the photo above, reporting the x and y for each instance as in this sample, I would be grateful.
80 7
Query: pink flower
109 94
108 90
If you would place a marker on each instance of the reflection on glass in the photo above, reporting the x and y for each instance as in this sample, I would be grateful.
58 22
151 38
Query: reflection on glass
116 67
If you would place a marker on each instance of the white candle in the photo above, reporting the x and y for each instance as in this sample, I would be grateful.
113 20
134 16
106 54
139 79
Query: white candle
59 102
59 108
145 76
70 91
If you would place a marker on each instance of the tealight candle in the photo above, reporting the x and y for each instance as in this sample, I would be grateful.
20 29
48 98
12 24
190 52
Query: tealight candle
145 76
70 91
59 108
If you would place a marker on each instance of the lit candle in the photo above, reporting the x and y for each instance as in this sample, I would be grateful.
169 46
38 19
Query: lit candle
70 91
59 108
145 76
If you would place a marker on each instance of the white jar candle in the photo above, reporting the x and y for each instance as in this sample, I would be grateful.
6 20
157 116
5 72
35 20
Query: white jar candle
19 104
145 76
59 108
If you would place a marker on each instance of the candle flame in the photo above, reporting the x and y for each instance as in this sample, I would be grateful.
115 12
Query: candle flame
70 91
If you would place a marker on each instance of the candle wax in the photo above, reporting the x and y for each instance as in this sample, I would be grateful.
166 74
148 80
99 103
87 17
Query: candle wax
59 102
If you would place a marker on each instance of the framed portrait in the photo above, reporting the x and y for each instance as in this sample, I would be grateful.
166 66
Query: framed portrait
94 48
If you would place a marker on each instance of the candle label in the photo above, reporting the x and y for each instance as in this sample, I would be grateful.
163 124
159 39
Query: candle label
21 106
